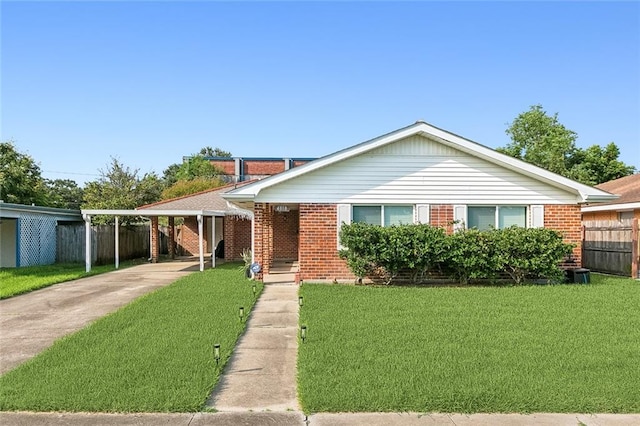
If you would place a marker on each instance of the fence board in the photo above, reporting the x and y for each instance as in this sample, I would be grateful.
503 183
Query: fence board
134 243
608 246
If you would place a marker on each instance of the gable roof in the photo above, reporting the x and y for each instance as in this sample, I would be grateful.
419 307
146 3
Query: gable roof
584 192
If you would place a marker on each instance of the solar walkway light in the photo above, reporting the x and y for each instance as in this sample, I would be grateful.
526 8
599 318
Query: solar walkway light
300 301
216 353
241 313
303 333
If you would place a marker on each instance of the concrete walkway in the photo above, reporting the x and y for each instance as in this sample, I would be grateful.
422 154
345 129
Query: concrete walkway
261 375
31 322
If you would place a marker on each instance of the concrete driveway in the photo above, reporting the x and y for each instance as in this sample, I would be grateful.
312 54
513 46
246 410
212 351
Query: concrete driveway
31 322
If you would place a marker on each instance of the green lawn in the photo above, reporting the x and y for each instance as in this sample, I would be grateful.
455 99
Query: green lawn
14 281
564 348
153 355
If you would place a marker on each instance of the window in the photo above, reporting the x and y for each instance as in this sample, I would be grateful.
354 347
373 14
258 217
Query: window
383 215
487 217
625 215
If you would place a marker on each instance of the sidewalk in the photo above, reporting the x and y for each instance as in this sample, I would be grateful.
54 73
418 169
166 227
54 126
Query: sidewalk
261 374
31 322
295 418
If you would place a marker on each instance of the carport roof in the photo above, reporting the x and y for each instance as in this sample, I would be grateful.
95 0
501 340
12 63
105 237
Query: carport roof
205 203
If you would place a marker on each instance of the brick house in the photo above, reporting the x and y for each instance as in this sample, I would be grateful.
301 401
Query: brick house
625 207
419 173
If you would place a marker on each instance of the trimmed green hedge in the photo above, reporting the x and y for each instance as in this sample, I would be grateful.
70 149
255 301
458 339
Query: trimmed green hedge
523 254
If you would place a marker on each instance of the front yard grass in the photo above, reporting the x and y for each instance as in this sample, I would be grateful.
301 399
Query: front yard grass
563 348
15 281
153 355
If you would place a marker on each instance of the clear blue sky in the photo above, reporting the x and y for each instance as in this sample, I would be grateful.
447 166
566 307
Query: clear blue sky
151 82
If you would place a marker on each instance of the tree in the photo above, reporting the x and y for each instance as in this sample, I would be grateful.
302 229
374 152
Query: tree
121 188
21 180
595 165
64 194
207 151
542 140
186 187
197 167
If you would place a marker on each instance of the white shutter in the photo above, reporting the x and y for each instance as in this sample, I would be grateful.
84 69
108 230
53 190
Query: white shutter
344 216
537 216
422 213
460 217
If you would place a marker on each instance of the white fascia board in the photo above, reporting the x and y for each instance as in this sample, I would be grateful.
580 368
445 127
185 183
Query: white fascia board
150 212
617 207
584 193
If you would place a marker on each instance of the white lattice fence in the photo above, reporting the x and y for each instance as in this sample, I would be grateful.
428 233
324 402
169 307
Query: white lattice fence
37 240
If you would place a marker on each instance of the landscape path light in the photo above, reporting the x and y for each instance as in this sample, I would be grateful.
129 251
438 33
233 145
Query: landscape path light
300 301
216 353
253 287
241 314
303 333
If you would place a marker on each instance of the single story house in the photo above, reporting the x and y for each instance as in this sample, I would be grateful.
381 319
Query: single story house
28 234
625 207
419 173
611 230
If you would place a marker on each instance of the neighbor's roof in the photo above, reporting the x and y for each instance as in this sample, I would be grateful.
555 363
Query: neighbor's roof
24 208
585 192
628 188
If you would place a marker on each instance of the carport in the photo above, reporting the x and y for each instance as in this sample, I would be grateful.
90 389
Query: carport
152 215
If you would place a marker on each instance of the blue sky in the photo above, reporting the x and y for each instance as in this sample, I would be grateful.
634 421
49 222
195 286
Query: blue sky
151 82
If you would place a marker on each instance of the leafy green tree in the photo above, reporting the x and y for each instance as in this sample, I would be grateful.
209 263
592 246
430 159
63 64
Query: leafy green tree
540 139
64 194
170 175
186 187
119 187
21 180
595 165
197 167
207 151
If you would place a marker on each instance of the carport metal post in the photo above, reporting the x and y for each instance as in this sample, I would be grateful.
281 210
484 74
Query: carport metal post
200 243
117 239
87 242
213 241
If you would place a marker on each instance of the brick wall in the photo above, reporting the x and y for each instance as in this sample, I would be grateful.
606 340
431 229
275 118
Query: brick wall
189 237
567 220
237 237
285 235
155 239
263 236
441 215
263 167
227 166
318 244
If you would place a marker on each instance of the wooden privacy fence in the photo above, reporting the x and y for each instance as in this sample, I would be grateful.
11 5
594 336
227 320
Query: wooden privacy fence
611 246
133 243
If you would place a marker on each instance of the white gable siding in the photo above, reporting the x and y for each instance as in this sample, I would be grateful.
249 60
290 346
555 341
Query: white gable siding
415 170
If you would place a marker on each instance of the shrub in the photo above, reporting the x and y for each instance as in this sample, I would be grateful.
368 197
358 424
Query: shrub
470 255
387 251
530 253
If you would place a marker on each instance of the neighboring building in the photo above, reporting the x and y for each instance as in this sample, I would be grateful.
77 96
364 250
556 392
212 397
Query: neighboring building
415 174
28 234
610 229
625 207
241 169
